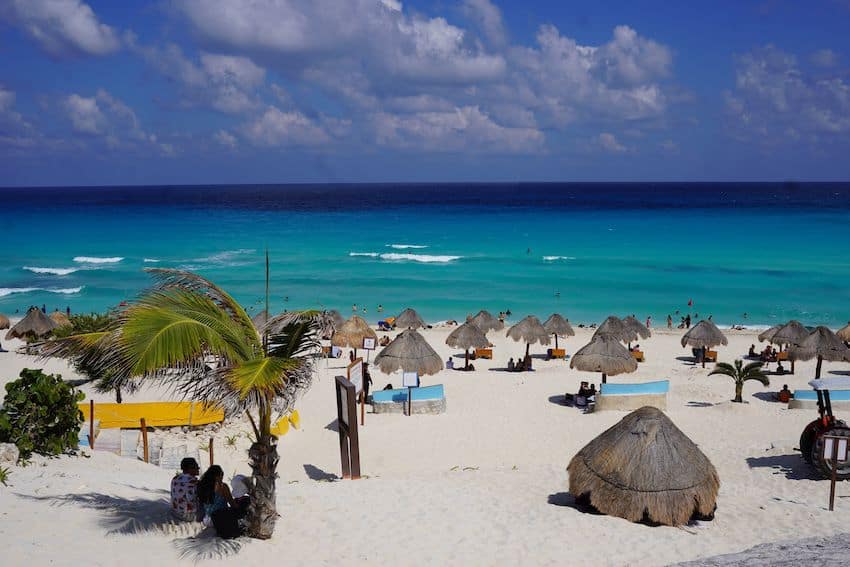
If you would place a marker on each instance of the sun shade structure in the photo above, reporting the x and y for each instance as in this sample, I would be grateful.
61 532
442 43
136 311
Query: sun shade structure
35 325
486 322
559 327
4 322
529 330
704 335
636 327
791 333
60 319
843 333
645 469
615 327
467 336
768 334
409 319
260 319
352 333
604 354
409 352
822 344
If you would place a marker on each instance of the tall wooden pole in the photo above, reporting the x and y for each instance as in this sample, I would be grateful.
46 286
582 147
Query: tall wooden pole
91 424
212 456
145 439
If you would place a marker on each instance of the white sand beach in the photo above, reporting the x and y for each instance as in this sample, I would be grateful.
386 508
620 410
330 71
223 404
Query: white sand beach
483 484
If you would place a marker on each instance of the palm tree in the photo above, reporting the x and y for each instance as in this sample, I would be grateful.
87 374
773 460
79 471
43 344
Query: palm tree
741 374
190 333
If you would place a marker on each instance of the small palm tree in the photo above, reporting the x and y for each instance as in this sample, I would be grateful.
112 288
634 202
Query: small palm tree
741 374
191 334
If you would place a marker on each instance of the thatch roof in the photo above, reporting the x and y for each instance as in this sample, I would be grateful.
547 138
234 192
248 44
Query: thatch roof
605 354
35 324
636 327
467 336
615 327
409 319
768 334
529 330
409 352
4 322
820 342
704 334
791 333
557 325
843 333
486 322
337 318
352 333
645 468
60 319
261 318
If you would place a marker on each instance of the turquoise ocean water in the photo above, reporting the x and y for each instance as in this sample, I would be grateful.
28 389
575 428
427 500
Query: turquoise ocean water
772 251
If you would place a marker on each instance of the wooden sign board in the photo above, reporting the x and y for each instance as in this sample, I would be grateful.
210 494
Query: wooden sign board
368 343
349 443
410 380
835 447
355 375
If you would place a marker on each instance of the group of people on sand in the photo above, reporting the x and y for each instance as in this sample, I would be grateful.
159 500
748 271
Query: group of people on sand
209 500
521 365
585 395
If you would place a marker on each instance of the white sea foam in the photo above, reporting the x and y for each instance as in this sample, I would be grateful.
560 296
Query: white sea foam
225 259
54 271
426 258
4 291
96 260
406 246
151 261
369 254
556 258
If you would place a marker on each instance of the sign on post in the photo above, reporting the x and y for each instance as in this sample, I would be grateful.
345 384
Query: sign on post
356 375
368 343
835 449
349 444
410 380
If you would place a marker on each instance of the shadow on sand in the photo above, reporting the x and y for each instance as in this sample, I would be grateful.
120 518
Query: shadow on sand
792 466
315 473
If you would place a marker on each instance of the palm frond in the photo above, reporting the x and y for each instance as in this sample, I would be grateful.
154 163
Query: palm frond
724 368
321 321
297 334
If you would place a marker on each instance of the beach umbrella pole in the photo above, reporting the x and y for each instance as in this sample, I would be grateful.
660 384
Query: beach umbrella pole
466 359
604 378
817 368
556 341
527 346
703 357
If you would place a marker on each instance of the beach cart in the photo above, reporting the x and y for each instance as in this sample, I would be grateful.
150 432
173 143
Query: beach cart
811 441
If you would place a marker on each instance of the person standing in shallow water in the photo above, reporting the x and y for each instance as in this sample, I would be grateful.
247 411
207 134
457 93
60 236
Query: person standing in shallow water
669 321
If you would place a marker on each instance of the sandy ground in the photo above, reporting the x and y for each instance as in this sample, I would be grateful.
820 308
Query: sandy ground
484 483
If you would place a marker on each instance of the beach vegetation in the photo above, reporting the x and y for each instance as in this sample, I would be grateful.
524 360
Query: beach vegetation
4 476
191 335
740 374
40 414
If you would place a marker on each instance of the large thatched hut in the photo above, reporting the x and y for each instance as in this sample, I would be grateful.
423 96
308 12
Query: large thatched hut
822 344
352 333
34 326
645 469
409 319
467 336
409 352
4 322
559 327
529 330
604 354
614 326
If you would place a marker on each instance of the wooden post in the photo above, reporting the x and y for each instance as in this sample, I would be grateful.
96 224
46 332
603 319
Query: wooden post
363 404
834 461
145 439
91 424
409 401
212 458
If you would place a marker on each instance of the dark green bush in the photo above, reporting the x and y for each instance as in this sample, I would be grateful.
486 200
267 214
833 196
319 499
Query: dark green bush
40 414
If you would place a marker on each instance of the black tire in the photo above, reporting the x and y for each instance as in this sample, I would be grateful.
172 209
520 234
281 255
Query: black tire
824 465
807 439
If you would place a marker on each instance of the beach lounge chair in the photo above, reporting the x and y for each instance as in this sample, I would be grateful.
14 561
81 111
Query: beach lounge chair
556 353
425 399
808 399
711 356
629 397
782 356
484 353
638 355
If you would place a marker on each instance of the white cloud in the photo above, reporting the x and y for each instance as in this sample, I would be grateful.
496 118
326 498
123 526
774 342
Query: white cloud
466 128
85 115
609 142
62 27
15 132
824 58
225 138
775 100
278 128
488 18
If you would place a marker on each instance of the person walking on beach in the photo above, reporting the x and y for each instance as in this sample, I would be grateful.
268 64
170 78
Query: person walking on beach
649 322
688 321
669 321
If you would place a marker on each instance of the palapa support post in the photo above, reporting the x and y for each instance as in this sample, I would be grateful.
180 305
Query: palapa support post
212 456
145 439
409 401
363 407
91 424
832 478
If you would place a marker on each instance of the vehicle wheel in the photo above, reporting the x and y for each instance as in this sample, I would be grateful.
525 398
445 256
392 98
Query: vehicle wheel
825 465
807 440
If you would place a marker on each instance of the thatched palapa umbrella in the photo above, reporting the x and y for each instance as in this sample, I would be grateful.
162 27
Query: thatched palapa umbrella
260 319
704 335
486 322
768 334
352 333
635 326
604 354
823 344
409 352
615 327
529 330
60 319
35 325
467 336
645 468
337 318
558 326
409 319
4 322
843 333
791 333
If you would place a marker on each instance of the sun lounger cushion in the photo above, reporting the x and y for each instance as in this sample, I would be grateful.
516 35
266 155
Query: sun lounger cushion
628 397
426 399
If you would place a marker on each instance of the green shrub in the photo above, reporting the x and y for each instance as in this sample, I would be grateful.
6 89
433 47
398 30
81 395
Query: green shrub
4 476
40 414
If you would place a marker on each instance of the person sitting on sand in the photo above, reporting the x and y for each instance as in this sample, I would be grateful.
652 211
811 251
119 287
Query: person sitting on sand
784 395
385 340
511 365
526 362
780 369
220 509
591 394
581 396
752 351
471 367
450 364
184 494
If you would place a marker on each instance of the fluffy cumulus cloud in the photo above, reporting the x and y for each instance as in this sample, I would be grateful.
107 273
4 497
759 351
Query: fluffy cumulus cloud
104 118
15 132
62 28
777 100
276 127
609 143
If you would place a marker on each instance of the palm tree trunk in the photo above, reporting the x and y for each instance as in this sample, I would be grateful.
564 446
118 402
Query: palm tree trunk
739 389
262 512
817 368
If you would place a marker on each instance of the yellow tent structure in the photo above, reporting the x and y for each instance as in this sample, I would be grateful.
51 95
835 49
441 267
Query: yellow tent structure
156 414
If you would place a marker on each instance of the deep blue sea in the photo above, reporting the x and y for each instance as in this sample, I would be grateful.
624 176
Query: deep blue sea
773 251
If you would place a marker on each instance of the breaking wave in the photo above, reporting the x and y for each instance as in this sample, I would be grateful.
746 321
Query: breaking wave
96 260
426 258
406 246
4 291
369 254
556 258
54 271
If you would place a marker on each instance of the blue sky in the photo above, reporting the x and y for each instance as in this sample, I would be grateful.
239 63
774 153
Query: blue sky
275 91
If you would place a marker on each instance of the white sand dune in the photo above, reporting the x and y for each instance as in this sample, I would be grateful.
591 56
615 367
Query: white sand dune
483 484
